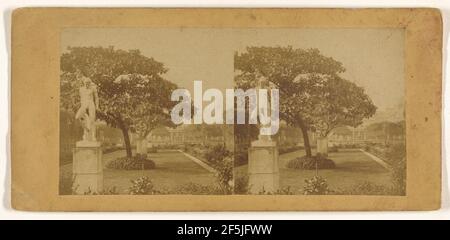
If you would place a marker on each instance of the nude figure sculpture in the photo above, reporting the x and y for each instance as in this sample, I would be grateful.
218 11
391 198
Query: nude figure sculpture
89 104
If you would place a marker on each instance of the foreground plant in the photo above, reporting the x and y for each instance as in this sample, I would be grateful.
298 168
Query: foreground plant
141 186
316 185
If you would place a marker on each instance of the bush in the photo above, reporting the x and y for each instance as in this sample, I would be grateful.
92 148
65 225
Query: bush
311 162
224 174
141 186
137 162
220 159
316 186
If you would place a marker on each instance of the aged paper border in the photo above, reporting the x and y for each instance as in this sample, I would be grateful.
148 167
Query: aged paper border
35 105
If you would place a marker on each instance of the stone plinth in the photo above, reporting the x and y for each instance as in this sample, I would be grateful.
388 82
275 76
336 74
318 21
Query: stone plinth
263 168
141 146
322 146
87 167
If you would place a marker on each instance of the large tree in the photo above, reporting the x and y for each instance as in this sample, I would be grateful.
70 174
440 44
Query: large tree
334 102
312 94
134 96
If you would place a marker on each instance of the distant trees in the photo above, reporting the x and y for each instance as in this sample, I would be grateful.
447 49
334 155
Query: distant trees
386 130
134 96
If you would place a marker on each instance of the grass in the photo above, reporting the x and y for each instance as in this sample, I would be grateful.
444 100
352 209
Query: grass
172 170
352 167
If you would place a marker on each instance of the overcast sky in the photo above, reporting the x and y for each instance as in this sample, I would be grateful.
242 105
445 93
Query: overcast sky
373 58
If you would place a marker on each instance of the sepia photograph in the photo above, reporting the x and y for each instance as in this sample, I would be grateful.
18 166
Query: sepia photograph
186 110
341 109
203 111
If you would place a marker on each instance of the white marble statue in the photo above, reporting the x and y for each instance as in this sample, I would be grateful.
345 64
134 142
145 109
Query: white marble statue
89 105
263 83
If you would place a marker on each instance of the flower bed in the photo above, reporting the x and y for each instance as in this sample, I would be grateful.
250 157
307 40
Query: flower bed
311 162
138 162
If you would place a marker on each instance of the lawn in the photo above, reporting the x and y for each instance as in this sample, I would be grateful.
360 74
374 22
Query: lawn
172 170
352 167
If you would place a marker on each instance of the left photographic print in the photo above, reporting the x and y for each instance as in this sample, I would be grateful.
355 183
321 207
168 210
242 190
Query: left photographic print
116 131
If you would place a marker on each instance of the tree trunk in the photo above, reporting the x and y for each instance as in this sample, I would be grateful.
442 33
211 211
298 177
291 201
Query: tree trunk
305 138
126 138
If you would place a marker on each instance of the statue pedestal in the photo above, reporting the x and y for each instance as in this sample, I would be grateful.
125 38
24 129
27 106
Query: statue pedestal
322 146
263 168
141 146
87 167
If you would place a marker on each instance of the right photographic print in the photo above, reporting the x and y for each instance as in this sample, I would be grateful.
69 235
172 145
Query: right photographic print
341 112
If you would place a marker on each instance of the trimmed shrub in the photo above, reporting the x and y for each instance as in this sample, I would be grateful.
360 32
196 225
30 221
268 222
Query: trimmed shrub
137 162
309 163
